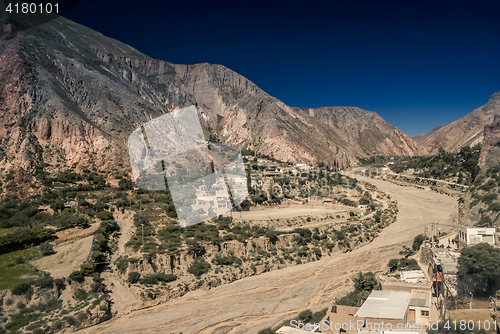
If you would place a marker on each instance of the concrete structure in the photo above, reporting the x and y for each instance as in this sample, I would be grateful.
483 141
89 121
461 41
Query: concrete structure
444 270
419 307
390 307
336 316
497 239
475 235
413 276
43 208
405 286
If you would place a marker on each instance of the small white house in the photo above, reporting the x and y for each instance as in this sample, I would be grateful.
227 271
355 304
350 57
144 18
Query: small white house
475 235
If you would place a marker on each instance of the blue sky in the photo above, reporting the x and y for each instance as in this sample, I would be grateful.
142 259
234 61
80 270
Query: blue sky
418 64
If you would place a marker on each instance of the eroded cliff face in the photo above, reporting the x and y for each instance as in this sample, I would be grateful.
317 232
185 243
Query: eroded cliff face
490 151
478 204
70 96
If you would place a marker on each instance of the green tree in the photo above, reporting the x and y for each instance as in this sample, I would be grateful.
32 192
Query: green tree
478 270
393 264
417 242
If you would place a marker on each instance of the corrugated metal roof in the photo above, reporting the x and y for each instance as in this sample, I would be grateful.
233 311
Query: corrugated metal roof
385 304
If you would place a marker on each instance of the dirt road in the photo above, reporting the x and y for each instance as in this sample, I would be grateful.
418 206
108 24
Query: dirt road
253 303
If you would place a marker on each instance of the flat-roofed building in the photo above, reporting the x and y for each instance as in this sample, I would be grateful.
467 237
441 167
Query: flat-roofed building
339 319
385 306
476 235
419 307
413 276
405 286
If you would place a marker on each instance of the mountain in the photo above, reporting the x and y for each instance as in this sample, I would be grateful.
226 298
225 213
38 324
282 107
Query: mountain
481 204
467 130
70 97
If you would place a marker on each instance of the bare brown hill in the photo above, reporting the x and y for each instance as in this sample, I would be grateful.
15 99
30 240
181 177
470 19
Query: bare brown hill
468 130
70 96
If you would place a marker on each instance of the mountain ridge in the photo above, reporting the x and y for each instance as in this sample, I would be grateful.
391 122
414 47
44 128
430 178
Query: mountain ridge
467 130
71 96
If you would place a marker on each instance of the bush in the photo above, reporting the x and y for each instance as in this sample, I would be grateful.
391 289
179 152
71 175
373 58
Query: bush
122 264
227 260
199 267
45 282
105 215
80 294
46 248
133 277
156 278
494 207
22 289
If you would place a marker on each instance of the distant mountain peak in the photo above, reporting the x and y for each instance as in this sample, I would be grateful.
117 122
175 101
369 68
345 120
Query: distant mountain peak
468 130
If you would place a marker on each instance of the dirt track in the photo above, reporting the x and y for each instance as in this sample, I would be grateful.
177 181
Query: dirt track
248 305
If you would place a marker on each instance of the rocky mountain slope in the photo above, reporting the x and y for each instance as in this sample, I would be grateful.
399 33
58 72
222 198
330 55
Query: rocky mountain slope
70 96
481 204
467 130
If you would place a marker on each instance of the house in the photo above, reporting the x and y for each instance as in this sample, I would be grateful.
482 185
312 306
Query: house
336 316
43 208
365 209
71 204
475 235
388 307
419 307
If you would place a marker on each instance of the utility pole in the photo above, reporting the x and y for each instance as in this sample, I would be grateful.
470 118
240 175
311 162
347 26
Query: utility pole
142 225
432 235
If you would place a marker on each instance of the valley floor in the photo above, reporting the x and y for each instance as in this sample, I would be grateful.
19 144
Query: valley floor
257 302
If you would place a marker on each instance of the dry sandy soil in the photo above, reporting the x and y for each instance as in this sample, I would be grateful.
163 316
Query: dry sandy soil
68 257
253 303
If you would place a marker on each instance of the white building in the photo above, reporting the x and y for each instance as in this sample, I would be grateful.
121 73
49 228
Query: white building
475 235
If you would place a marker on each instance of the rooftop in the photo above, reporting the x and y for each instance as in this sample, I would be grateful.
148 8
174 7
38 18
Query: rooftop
385 304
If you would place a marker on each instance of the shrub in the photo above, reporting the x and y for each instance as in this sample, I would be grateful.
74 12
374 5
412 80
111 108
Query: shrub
199 267
133 277
494 207
80 294
59 284
22 289
122 264
156 278
45 282
227 260
105 215
46 248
